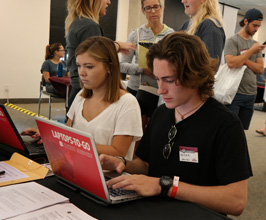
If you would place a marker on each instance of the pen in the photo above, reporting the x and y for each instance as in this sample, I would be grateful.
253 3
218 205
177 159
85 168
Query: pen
2 172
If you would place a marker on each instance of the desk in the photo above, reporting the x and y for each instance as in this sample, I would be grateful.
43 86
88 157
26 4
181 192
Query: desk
62 85
146 208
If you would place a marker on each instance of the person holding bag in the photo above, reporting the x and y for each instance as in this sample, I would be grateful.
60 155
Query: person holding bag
141 82
241 50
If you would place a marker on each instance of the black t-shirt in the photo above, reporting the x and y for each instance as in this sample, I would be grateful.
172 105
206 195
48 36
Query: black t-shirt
214 131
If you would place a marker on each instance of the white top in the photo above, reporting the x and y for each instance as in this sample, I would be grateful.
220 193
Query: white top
122 117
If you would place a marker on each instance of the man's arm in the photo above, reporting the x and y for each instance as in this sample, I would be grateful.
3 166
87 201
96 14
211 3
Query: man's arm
228 199
257 67
136 166
238 61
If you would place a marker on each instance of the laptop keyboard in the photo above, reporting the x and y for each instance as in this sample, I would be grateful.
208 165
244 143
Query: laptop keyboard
119 191
34 148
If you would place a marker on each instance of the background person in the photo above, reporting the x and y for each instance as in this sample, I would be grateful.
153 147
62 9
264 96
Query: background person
262 131
205 22
82 22
241 50
103 108
192 135
53 54
153 31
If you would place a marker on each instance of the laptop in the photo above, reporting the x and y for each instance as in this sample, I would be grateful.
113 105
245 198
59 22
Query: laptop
75 161
11 141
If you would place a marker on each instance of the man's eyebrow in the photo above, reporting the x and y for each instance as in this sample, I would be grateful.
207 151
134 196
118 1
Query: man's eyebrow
167 77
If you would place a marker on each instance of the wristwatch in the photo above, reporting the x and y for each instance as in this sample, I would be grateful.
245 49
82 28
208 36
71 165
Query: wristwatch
166 183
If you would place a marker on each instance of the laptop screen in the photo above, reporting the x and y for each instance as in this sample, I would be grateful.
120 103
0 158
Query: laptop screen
72 155
8 132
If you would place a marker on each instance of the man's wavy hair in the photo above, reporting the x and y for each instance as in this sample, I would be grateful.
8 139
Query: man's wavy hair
190 58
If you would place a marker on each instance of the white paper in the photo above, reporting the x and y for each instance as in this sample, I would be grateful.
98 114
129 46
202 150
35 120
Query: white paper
21 198
11 173
66 211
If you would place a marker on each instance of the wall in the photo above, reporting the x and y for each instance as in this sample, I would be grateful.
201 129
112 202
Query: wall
24 34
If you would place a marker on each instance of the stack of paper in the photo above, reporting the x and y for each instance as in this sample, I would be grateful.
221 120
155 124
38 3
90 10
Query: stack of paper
33 201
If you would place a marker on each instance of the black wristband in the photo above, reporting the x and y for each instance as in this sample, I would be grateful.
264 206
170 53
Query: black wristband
119 48
123 159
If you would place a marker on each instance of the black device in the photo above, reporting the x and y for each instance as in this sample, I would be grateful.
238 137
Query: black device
166 183
146 44
264 43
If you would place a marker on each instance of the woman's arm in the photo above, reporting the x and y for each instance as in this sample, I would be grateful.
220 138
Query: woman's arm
34 133
124 47
119 146
46 76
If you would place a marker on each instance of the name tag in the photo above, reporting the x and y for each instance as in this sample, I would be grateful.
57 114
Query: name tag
243 51
189 154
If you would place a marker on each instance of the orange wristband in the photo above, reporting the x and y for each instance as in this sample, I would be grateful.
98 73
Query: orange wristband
175 186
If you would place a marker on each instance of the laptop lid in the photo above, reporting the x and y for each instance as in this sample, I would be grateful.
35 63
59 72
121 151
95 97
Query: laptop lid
9 134
73 157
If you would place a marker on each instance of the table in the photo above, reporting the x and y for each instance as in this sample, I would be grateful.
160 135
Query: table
145 208
62 85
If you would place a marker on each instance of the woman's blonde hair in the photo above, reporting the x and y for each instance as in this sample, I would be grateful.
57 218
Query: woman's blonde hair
103 49
82 8
209 9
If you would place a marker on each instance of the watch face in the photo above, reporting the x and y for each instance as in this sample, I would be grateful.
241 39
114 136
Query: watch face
165 181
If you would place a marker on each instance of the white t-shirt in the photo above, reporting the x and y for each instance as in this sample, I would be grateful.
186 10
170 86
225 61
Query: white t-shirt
122 117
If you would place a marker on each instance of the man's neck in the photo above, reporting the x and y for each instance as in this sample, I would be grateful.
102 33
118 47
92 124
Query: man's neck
244 34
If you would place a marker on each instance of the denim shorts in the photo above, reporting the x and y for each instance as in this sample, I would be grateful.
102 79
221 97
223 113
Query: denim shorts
243 106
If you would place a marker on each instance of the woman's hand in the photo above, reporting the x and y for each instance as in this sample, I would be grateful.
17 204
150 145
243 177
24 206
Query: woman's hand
147 72
34 133
125 47
143 185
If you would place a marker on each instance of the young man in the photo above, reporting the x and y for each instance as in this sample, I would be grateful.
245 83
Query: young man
241 50
192 135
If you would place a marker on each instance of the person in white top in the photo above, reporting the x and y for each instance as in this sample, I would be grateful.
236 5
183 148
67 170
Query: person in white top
103 107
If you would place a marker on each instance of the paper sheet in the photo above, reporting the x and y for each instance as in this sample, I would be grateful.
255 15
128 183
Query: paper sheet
22 198
11 173
19 165
66 211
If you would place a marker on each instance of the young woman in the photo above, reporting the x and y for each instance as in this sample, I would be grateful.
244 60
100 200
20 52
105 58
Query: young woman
205 22
82 22
103 108
53 53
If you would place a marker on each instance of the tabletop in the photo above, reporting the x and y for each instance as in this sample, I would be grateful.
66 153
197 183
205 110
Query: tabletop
144 208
